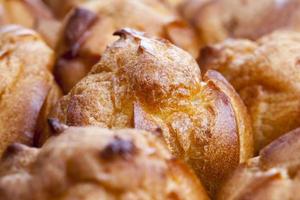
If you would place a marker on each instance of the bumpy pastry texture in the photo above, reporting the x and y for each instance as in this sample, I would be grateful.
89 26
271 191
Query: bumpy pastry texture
93 163
32 14
89 27
26 84
153 85
217 20
274 174
267 76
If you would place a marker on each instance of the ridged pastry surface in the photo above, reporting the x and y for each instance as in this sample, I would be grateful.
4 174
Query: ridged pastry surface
151 84
93 163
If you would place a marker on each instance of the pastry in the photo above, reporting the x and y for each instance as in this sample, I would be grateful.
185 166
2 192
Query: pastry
61 8
93 163
33 14
274 174
266 74
150 84
89 27
217 20
26 84
174 3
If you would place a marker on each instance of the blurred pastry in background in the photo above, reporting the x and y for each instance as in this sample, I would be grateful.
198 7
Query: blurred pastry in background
3 19
266 74
61 8
150 84
85 163
217 20
27 88
33 14
88 30
174 3
274 174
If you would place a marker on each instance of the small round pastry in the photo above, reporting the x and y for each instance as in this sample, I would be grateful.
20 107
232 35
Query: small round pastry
93 163
26 84
217 20
266 74
33 14
274 174
150 84
88 30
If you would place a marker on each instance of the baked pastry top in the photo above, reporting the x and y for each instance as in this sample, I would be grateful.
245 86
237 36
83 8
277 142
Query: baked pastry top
150 84
27 89
89 28
266 74
142 119
93 163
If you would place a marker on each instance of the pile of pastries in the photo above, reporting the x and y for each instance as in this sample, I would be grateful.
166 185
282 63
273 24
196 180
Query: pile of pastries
149 99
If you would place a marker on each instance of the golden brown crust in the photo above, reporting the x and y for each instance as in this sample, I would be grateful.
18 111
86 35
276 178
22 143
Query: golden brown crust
266 74
272 175
151 84
85 163
241 114
217 20
89 27
25 62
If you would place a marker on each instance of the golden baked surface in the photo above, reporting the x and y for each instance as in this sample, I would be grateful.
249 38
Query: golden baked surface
150 84
275 174
89 28
266 74
164 99
93 163
25 84
217 20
